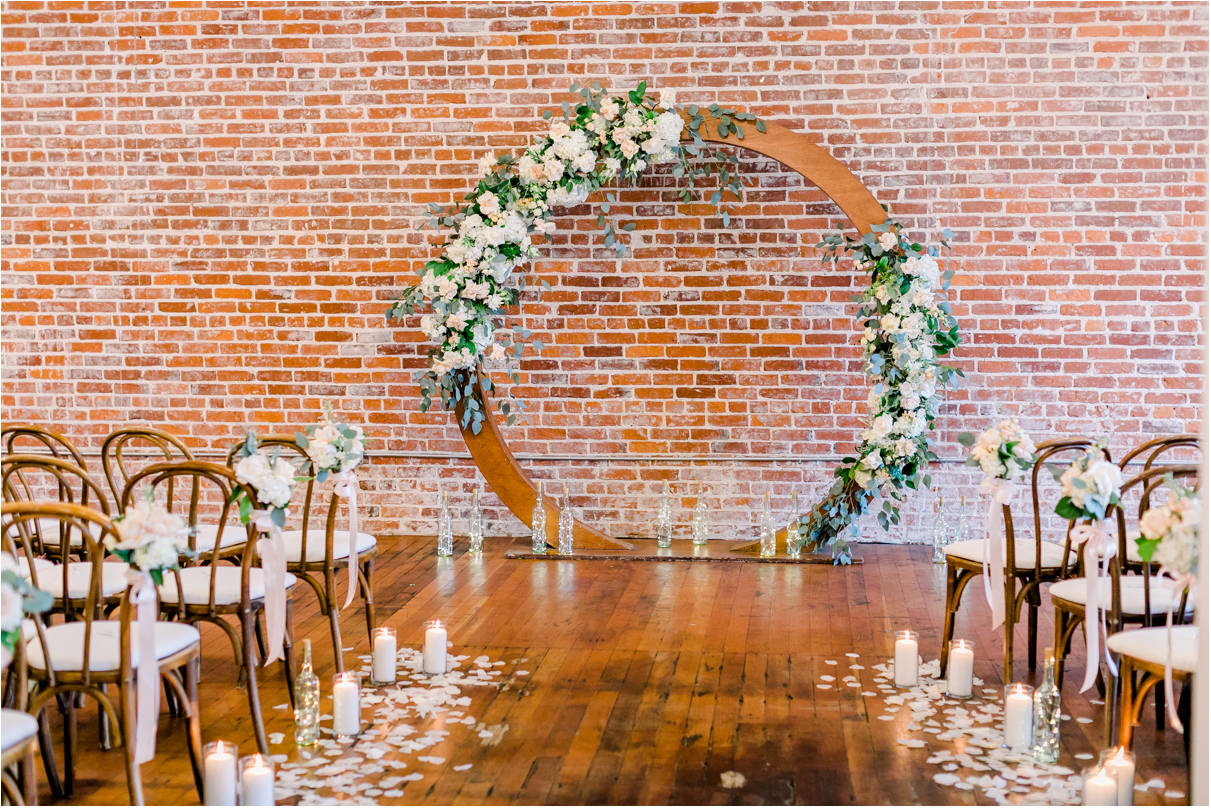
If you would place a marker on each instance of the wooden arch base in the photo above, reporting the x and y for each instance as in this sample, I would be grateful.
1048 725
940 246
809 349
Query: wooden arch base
489 449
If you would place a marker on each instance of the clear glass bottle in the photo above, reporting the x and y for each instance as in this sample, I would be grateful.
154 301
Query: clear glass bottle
565 524
765 529
664 518
962 525
1045 745
538 524
475 525
445 532
306 701
698 521
941 531
794 544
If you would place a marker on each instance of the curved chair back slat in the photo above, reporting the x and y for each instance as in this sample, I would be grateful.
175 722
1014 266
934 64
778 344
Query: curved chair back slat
1063 450
128 449
32 439
41 478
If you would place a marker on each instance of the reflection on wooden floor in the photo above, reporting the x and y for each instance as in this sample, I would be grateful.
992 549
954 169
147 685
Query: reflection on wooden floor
640 683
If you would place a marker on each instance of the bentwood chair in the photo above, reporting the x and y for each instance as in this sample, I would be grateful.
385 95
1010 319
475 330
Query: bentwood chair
210 588
1142 655
31 439
124 451
1125 599
18 736
320 554
84 656
1173 449
1033 559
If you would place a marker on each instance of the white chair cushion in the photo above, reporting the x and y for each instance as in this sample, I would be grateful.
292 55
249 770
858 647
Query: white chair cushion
195 584
315 544
40 564
66 644
975 549
79 574
1151 645
1160 589
16 727
48 529
232 535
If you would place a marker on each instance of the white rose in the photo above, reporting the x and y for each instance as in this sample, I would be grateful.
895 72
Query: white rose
888 240
530 170
558 128
552 169
1155 522
609 109
584 162
1105 477
489 203
612 166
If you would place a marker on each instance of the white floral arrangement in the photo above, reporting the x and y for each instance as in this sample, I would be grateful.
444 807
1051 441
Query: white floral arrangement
272 477
1169 534
908 326
1089 486
150 538
18 597
332 447
1004 451
467 289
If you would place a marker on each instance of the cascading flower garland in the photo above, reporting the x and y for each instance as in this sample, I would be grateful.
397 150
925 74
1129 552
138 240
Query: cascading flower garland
606 138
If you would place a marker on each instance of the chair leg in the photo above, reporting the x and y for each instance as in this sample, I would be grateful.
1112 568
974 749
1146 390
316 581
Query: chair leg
367 581
1114 688
1032 627
260 634
948 626
68 706
248 619
1126 677
103 728
46 749
134 782
28 784
1007 631
334 625
192 673
1061 651
288 649
1158 707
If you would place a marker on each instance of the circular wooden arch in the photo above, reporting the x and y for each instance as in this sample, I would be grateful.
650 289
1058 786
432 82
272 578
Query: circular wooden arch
488 448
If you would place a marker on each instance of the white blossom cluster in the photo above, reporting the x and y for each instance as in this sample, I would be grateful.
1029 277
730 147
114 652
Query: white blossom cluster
11 613
271 478
1003 451
1175 527
149 537
332 446
467 287
1091 484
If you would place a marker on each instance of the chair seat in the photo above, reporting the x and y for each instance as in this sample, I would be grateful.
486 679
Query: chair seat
975 549
79 575
315 544
49 528
40 564
66 644
1151 645
195 585
16 727
1162 597
232 535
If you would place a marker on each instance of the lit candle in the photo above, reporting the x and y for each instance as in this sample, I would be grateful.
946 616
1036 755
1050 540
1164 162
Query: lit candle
346 707
382 668
1100 787
906 659
959 668
434 658
218 779
1121 763
1019 716
256 781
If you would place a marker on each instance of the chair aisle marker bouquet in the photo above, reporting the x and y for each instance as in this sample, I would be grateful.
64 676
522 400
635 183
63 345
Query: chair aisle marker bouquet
1169 537
336 448
18 597
1004 453
150 540
272 478
1091 485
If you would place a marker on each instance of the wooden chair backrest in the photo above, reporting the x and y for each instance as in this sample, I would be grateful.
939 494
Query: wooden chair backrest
126 450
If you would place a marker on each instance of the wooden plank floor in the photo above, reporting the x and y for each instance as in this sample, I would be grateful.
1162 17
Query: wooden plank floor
642 683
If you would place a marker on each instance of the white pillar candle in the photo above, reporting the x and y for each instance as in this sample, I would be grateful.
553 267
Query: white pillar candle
219 774
1121 763
346 707
382 667
1019 716
906 659
959 669
434 658
256 781
1100 787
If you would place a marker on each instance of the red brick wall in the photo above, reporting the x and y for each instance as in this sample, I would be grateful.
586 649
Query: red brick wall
207 210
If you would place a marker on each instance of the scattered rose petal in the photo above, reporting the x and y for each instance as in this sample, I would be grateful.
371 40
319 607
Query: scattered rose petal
732 780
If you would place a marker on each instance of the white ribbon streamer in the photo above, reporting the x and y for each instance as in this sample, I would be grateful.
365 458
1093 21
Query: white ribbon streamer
272 549
345 485
1098 552
147 671
999 492
1179 584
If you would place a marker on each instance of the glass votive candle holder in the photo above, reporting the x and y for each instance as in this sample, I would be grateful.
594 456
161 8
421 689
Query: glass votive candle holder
1018 724
906 660
1121 763
346 705
433 654
256 780
219 773
960 667
1099 786
382 659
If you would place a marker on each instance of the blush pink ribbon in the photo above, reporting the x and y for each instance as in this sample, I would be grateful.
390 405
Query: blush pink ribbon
272 549
1099 550
345 485
1180 583
147 671
998 492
